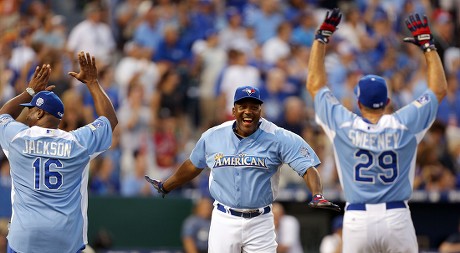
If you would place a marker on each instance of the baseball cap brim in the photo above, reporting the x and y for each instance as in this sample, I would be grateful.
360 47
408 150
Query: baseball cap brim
27 105
249 98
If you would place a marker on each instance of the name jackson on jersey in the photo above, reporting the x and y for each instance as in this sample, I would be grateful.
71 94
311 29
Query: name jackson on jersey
221 160
39 147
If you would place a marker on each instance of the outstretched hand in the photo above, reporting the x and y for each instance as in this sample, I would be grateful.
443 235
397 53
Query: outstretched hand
40 79
158 185
421 32
88 69
319 201
328 26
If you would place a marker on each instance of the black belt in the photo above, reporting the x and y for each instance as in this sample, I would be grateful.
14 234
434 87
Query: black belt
389 205
247 214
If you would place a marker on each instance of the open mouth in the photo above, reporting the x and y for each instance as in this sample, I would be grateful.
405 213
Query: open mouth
247 120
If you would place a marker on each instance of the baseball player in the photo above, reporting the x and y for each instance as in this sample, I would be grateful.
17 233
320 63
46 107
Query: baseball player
375 152
49 167
244 156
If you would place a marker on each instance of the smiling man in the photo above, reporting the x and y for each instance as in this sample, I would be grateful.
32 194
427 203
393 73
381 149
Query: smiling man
245 156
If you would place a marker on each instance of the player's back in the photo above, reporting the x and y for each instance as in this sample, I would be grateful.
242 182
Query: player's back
376 162
49 168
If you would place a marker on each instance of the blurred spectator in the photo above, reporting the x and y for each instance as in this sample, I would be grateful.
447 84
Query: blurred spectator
332 243
135 64
172 49
293 115
353 28
52 32
92 35
167 101
278 47
238 73
128 15
452 243
5 201
135 126
106 169
203 17
448 110
274 92
166 146
5 188
134 184
265 19
287 229
304 34
210 60
195 229
443 32
148 34
234 29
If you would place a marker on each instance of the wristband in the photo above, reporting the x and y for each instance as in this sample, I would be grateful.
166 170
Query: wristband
30 91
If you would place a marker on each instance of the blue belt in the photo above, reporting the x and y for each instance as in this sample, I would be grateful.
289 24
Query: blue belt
389 205
247 214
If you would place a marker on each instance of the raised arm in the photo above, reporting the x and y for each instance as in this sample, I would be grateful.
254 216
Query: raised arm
38 83
316 70
88 76
423 38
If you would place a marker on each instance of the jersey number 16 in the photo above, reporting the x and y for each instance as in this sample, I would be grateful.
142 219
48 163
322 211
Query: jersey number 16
52 179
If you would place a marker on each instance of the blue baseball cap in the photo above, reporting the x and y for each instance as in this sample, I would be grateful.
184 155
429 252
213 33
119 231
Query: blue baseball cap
48 102
372 91
247 92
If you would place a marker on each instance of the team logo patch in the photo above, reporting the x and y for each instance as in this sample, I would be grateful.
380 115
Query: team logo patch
96 125
422 100
5 119
39 102
249 91
304 152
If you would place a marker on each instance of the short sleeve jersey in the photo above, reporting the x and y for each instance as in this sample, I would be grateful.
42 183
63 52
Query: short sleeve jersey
49 170
375 162
245 172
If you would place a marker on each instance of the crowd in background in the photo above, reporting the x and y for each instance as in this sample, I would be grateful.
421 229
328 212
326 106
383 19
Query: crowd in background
170 68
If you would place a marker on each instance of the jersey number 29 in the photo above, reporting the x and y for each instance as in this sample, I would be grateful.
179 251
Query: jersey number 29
385 162
52 179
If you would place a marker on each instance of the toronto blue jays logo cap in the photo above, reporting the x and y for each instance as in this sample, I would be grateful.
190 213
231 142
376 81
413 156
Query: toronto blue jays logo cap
247 92
48 102
372 91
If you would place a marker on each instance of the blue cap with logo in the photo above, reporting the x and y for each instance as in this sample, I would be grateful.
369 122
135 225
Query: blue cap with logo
372 91
247 92
48 102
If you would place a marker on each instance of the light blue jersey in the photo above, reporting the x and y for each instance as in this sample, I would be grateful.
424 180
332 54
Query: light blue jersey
245 173
49 170
375 162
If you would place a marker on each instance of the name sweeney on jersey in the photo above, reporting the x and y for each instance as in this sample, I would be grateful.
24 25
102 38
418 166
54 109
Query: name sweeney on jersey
239 160
372 140
38 147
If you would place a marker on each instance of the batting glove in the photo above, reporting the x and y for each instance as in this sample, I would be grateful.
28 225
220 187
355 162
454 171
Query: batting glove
421 33
158 185
319 201
329 26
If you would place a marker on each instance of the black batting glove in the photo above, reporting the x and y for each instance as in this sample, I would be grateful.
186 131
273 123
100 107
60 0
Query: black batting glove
329 26
421 33
319 201
158 185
